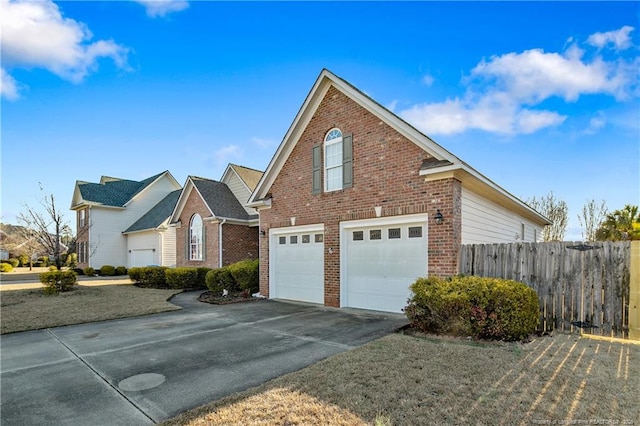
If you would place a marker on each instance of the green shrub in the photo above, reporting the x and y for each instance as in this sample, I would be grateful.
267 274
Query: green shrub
57 281
221 279
5 267
121 270
488 308
107 271
71 260
24 260
246 273
202 277
149 276
14 262
134 274
43 261
182 278
53 268
89 271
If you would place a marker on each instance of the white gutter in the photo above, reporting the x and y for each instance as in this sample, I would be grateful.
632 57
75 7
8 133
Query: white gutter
220 242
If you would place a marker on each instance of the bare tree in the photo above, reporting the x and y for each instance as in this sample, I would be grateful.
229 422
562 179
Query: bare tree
46 227
593 214
556 211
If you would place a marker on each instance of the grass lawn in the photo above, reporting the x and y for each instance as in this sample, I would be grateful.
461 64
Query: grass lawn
419 380
30 309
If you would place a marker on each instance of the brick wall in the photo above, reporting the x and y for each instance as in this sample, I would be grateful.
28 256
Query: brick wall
193 205
385 173
239 242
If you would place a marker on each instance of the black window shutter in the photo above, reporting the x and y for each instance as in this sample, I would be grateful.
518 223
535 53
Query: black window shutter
317 169
347 161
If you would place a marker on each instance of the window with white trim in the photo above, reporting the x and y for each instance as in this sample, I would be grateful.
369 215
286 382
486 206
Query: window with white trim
195 238
82 218
333 160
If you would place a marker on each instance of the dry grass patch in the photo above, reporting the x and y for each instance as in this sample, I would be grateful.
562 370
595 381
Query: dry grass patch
412 380
30 309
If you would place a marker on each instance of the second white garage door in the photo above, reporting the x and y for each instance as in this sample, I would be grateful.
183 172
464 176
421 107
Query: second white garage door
296 263
381 258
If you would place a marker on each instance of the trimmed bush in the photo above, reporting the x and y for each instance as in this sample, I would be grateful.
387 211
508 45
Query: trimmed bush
89 271
78 271
134 273
14 262
246 273
5 267
58 281
202 277
121 270
107 271
487 308
182 278
53 268
149 276
221 279
43 261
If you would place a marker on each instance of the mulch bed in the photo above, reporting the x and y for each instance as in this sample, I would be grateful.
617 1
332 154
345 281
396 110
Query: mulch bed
209 297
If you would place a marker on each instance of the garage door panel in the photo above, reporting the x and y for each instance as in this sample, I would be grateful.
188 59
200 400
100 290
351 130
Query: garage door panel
378 271
297 267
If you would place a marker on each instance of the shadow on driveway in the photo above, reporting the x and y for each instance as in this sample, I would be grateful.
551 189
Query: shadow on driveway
147 369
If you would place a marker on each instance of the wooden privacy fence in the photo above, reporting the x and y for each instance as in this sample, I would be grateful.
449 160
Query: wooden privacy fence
576 282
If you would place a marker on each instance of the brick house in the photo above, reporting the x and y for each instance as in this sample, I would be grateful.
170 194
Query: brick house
213 228
356 204
123 222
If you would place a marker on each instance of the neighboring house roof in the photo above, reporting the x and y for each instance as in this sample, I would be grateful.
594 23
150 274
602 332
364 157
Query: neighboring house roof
250 177
443 163
158 214
112 192
218 198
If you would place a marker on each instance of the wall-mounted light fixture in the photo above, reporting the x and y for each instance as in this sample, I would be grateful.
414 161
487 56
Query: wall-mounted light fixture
153 250
263 232
438 217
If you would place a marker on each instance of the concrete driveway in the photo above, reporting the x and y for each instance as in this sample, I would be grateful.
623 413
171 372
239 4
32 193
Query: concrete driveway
145 370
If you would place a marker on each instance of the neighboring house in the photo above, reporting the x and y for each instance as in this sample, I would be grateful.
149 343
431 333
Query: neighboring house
213 228
119 221
16 240
356 204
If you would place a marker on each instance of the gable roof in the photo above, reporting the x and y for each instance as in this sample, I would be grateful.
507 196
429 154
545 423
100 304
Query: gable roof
443 163
112 192
250 177
158 214
218 198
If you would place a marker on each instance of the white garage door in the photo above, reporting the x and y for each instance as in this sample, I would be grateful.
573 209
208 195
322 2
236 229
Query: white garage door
296 263
381 259
142 257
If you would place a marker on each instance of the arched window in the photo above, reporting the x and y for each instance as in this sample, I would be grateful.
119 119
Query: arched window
333 160
195 238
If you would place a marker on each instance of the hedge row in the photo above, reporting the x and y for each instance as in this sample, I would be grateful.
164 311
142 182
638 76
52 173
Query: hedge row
164 277
487 308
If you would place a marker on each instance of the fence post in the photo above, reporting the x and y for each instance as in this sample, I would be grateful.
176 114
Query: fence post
634 292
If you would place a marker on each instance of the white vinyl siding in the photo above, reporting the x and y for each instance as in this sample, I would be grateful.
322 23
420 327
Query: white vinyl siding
486 222
240 190
168 247
107 244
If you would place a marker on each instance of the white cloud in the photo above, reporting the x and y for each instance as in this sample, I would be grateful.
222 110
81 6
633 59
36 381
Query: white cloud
596 123
263 142
503 91
227 154
392 105
35 34
620 39
427 80
157 8
8 86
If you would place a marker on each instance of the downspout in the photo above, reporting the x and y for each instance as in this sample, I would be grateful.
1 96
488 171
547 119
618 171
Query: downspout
220 242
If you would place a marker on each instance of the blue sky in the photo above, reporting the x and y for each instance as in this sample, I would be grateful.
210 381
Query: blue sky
539 97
